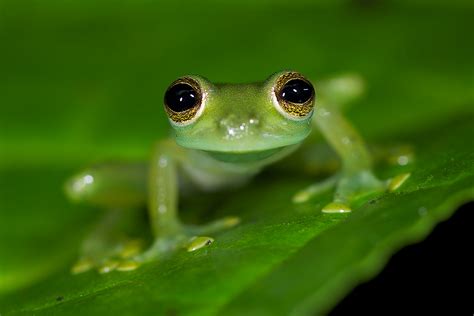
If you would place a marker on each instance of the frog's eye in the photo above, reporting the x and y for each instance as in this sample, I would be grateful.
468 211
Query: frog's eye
294 95
183 100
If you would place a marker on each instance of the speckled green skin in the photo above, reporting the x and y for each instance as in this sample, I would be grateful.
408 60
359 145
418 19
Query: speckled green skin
239 129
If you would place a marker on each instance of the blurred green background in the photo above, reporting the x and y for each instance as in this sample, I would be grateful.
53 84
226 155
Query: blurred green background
83 81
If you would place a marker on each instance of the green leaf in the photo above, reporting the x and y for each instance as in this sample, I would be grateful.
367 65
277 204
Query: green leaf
85 83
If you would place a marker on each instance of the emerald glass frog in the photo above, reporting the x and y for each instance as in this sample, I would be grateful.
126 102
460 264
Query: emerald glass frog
224 134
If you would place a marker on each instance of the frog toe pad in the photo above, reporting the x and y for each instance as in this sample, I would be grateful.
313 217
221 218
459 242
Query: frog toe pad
336 207
108 260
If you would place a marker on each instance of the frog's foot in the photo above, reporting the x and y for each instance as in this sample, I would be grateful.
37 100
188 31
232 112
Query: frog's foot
354 188
106 257
191 238
350 190
128 255
357 189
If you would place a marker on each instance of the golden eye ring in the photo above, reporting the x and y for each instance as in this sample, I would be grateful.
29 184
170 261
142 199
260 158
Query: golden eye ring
294 95
183 100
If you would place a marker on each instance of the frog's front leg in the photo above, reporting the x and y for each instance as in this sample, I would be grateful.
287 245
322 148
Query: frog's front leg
168 232
355 179
122 190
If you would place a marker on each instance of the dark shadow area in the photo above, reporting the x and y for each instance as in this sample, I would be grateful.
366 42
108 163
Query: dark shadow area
431 276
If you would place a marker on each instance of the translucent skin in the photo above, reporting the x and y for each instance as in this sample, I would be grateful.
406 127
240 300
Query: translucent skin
237 131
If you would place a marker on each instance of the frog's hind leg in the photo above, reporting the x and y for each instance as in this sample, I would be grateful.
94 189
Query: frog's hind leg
120 189
108 243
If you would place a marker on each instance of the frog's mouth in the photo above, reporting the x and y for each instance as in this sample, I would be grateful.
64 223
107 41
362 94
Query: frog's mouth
245 157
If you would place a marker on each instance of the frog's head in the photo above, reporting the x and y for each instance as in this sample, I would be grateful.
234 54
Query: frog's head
240 118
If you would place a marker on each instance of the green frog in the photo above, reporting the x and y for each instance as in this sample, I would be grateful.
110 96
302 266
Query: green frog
223 135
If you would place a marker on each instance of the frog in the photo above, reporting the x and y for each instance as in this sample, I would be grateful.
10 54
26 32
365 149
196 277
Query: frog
223 135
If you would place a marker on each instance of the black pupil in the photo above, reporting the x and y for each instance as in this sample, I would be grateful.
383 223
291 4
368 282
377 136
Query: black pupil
181 97
297 91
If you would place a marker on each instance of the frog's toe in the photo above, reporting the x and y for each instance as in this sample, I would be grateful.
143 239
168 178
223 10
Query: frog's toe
107 259
315 189
87 264
82 265
302 196
118 265
396 182
130 248
127 265
336 207
198 242
108 265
